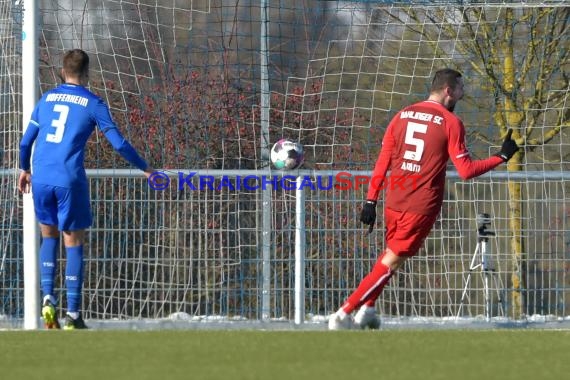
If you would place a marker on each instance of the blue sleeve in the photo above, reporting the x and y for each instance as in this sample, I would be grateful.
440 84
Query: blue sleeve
124 148
102 116
27 143
105 122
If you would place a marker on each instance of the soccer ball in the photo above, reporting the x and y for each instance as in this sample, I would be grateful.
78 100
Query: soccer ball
287 155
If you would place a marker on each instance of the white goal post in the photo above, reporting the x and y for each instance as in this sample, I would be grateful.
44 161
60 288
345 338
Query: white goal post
30 92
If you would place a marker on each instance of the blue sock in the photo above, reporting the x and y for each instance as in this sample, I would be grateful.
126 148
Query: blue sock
48 264
74 277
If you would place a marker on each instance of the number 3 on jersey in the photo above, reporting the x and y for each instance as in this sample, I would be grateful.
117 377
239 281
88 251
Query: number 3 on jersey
58 124
411 129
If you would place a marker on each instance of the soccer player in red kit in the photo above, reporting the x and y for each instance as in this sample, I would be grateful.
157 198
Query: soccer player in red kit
416 147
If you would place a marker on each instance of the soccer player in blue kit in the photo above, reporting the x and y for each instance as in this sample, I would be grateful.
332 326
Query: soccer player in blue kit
60 126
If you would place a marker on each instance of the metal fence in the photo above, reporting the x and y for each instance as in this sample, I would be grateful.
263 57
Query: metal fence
195 249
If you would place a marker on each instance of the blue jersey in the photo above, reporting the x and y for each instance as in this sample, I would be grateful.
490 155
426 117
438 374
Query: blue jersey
60 126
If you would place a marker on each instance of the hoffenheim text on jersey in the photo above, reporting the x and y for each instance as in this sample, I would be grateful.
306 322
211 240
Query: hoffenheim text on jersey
68 98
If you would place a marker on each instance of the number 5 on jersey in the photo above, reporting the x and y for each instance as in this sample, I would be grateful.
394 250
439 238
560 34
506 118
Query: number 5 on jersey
58 124
411 129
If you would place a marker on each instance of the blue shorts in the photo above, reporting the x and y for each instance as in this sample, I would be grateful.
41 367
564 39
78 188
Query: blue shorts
68 209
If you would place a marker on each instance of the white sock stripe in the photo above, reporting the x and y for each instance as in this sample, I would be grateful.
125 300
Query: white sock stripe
377 284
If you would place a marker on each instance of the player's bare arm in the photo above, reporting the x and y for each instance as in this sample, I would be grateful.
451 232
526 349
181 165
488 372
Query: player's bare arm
24 181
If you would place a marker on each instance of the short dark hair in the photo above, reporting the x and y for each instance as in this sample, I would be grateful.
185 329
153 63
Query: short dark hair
444 78
76 62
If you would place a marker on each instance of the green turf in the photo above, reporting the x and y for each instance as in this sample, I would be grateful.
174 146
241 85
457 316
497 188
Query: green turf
292 355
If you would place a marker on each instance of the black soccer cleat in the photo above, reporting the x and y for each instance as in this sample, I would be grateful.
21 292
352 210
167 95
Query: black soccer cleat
74 324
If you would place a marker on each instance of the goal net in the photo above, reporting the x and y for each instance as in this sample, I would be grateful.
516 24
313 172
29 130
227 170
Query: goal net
202 88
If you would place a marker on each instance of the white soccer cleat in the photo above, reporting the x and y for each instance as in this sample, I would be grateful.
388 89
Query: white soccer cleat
336 322
367 317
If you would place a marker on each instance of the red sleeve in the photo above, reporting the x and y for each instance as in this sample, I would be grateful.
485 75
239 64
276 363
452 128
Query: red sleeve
459 154
382 163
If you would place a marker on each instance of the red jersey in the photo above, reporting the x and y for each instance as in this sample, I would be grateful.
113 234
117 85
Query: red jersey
416 146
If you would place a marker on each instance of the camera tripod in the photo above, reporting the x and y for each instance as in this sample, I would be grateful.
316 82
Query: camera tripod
481 260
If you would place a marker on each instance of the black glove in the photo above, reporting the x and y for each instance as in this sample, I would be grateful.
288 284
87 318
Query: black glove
368 214
509 147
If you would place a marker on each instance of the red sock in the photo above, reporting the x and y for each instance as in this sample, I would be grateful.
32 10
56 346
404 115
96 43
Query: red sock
373 296
369 288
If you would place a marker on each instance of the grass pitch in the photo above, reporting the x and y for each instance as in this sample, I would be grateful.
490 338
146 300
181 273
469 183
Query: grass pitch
291 355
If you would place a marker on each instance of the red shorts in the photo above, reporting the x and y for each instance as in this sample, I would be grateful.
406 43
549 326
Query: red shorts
406 232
